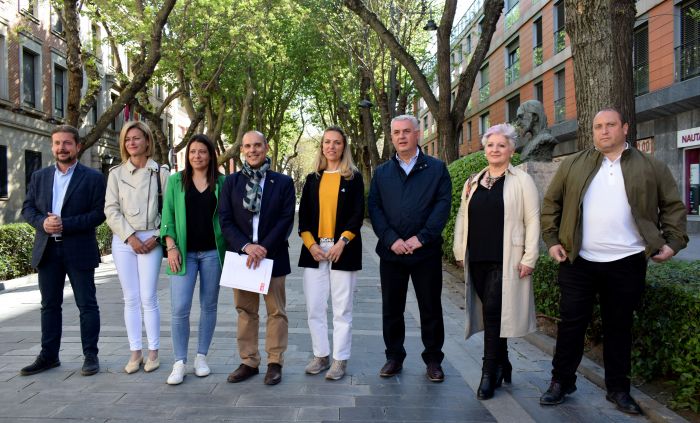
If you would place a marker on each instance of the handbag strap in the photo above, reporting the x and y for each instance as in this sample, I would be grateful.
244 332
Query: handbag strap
160 193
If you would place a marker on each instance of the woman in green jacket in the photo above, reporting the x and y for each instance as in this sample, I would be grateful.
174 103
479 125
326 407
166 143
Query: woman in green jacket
191 231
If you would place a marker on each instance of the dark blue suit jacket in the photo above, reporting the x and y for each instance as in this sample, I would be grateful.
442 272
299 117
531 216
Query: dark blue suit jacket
276 217
82 211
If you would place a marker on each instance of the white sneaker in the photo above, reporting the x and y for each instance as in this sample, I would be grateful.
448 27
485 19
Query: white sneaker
178 373
201 368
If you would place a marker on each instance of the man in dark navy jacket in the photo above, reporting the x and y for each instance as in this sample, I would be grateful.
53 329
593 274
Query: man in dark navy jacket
409 203
256 212
64 204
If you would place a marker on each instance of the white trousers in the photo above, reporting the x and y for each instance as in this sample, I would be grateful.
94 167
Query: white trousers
340 284
138 276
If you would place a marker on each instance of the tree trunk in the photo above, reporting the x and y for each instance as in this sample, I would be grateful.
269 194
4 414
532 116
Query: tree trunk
128 93
442 110
233 152
602 69
71 25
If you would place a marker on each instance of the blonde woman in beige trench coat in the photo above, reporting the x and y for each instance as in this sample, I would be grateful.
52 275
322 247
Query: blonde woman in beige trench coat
501 199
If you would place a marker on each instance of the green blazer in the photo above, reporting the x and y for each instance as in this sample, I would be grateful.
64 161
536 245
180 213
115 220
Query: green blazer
174 219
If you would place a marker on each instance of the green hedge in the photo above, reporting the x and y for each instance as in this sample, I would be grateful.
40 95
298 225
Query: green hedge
666 330
17 241
459 172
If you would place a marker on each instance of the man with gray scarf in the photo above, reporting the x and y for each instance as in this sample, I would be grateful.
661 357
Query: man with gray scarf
256 212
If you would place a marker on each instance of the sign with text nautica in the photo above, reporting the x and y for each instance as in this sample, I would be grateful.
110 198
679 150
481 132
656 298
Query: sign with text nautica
689 137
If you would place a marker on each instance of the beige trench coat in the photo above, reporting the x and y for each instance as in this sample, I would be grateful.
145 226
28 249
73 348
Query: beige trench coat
521 229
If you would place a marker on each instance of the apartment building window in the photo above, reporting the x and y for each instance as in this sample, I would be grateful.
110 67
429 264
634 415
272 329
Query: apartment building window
170 134
460 135
559 25
3 63
512 108
512 14
469 44
512 62
537 56
56 21
688 53
32 163
539 92
425 123
484 123
484 91
59 91
4 193
640 59
559 96
28 7
96 41
159 92
116 123
30 67
469 130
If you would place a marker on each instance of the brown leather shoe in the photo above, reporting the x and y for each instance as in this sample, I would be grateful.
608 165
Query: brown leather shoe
391 368
274 374
242 373
434 372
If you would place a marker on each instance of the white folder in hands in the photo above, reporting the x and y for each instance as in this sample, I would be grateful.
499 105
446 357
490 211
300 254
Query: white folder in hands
235 274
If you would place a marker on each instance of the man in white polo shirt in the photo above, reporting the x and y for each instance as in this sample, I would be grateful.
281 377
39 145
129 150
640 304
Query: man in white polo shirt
607 210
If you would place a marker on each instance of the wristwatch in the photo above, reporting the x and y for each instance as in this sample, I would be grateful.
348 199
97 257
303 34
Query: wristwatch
345 239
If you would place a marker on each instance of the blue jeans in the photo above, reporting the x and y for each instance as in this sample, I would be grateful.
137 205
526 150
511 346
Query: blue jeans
207 264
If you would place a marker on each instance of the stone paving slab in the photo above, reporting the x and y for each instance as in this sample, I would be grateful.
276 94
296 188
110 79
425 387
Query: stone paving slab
63 395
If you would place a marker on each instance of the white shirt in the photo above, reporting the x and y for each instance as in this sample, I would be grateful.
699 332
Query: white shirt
407 167
256 216
60 187
609 230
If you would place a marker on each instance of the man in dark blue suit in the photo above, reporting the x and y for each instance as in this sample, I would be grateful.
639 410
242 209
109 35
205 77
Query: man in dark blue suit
65 204
256 211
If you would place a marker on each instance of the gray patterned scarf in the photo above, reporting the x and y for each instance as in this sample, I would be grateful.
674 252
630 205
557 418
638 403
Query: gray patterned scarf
253 192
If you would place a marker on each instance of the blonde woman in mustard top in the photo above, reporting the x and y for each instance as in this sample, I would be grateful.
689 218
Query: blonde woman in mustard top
330 217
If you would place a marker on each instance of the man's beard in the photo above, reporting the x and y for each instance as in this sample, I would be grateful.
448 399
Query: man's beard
70 158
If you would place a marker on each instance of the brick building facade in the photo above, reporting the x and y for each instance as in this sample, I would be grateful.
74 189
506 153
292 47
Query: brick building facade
530 58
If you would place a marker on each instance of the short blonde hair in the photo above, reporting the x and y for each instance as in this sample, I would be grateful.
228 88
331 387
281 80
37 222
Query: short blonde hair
146 132
347 166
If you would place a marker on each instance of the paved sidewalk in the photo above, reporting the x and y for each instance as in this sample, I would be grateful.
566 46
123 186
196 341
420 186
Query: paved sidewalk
63 395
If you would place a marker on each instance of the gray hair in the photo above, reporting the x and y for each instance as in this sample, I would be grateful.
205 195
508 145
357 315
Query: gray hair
504 129
406 117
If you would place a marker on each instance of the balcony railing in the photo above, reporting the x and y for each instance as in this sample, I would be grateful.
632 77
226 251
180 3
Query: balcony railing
472 13
688 60
559 40
512 15
513 72
559 110
641 78
537 55
484 93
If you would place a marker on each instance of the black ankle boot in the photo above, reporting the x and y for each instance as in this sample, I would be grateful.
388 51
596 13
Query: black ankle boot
504 373
487 385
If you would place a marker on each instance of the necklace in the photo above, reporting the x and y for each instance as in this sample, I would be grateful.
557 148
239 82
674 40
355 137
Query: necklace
488 181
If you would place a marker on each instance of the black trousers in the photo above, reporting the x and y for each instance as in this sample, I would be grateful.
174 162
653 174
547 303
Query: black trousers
620 285
427 283
52 276
487 278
